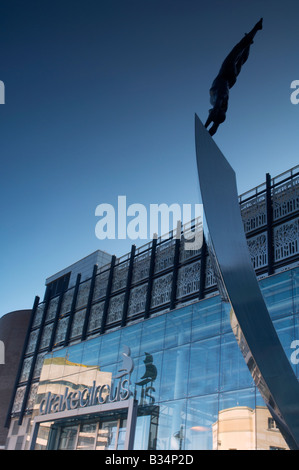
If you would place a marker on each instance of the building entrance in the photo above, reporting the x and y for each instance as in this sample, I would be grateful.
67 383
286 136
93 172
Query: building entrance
109 426
106 433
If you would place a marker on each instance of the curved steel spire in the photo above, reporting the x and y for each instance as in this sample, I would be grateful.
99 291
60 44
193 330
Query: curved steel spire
257 337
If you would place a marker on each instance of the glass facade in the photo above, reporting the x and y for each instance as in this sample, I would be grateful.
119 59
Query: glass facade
190 380
192 385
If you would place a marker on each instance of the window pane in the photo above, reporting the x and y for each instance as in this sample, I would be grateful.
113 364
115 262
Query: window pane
277 292
153 331
130 336
202 414
172 421
67 440
121 434
74 353
234 371
86 438
236 398
91 352
45 432
178 327
147 377
268 435
206 318
295 346
286 333
204 367
146 428
236 420
107 435
85 378
226 325
109 348
174 378
296 289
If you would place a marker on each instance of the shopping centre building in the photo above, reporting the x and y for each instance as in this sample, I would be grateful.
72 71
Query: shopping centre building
138 352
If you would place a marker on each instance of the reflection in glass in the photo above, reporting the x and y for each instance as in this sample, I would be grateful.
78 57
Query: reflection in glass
286 332
237 398
122 425
111 434
190 352
74 354
277 292
91 352
86 436
295 346
43 437
202 413
178 327
60 376
234 373
268 436
130 336
106 439
295 274
206 318
235 427
244 427
68 438
147 378
174 380
146 428
153 330
172 421
109 349
106 433
226 320
204 367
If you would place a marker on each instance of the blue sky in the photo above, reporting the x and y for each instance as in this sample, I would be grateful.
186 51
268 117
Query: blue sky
100 98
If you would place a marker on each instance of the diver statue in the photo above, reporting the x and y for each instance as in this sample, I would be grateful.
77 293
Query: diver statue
227 77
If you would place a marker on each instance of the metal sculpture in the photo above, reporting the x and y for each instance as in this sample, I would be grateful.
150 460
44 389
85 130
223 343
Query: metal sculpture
251 322
227 77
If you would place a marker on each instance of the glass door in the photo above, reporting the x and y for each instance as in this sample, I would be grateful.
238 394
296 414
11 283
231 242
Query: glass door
104 434
122 428
67 438
111 434
107 435
87 436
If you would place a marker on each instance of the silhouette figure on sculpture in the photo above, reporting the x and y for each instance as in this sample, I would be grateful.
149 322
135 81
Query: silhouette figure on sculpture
227 77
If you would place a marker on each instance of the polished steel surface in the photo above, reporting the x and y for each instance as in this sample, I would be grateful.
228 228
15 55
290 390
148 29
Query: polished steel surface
251 322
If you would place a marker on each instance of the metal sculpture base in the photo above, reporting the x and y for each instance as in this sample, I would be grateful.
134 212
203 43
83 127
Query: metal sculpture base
251 322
